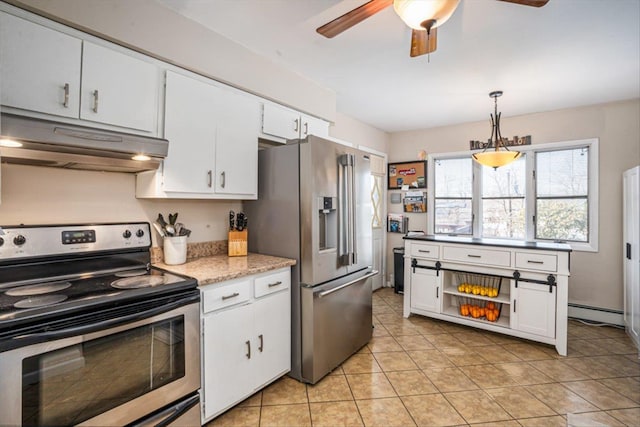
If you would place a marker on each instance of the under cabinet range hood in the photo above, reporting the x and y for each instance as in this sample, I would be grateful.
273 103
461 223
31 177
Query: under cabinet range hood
62 145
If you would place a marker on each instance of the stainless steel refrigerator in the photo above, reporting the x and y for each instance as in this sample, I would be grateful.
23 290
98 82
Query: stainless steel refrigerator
314 206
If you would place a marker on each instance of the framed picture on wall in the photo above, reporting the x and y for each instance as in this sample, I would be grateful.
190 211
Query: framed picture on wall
413 174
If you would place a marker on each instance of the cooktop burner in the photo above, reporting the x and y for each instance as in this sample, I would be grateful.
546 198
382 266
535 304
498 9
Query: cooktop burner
40 301
139 282
41 288
131 273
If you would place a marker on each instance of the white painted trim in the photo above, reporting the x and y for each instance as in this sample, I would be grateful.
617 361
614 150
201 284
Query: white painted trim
594 314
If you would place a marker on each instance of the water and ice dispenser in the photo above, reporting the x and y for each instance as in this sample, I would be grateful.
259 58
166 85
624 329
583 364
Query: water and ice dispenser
328 223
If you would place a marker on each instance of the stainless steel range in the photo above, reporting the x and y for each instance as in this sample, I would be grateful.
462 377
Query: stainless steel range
90 333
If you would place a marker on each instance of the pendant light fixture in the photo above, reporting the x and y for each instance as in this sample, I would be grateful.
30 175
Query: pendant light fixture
495 157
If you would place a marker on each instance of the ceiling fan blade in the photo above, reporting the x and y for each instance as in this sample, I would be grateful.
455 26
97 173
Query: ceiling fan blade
534 3
349 19
423 43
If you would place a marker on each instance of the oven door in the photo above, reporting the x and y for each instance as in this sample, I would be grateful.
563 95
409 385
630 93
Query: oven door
108 377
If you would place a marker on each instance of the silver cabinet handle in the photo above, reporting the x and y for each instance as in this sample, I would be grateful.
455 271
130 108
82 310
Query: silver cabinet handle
95 101
223 179
295 125
474 256
271 285
209 179
65 104
261 343
306 129
535 262
248 349
233 295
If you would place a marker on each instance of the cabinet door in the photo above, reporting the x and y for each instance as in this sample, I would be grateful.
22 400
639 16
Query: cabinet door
533 309
190 127
280 121
37 65
425 290
236 157
272 337
225 359
118 89
313 126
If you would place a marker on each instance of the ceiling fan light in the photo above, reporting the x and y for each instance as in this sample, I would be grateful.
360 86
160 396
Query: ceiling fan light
495 159
415 12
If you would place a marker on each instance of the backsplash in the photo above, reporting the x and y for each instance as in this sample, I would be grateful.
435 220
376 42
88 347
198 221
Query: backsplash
194 250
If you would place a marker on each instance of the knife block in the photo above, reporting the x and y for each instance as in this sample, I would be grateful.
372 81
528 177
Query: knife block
238 243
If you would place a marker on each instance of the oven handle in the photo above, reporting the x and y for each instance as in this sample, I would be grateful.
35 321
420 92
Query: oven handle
105 324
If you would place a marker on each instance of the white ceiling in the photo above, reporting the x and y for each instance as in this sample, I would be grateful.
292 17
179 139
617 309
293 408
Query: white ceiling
565 54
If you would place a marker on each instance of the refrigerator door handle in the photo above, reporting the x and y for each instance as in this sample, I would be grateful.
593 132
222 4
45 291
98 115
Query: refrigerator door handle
344 207
353 282
352 210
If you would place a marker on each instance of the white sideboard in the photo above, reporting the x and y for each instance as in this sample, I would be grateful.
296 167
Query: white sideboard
514 288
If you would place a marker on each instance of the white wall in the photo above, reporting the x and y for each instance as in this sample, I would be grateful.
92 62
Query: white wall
596 278
352 130
41 195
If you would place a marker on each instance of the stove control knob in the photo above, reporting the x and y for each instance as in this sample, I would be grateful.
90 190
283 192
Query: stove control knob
139 233
19 240
126 234
1 241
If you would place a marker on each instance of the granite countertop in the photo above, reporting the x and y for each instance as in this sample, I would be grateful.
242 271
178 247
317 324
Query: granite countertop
219 268
522 244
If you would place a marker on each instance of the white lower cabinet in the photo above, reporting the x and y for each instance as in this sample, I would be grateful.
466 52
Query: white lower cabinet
533 308
425 290
246 340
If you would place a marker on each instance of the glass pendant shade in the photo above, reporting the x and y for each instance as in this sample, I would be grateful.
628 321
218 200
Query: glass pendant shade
415 12
495 159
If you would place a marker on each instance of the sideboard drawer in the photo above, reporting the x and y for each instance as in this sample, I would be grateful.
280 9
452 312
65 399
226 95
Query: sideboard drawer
422 250
477 256
536 261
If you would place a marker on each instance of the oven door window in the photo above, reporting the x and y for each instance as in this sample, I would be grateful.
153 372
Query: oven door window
73 384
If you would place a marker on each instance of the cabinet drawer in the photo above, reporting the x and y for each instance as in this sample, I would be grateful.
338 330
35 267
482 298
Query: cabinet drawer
535 261
421 250
272 283
224 296
477 256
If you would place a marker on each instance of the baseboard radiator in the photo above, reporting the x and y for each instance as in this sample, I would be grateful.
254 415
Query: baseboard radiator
596 314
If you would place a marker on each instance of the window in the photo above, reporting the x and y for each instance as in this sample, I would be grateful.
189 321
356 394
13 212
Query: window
562 195
453 192
503 201
549 194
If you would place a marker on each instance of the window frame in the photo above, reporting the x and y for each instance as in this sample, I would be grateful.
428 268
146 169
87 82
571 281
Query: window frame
530 192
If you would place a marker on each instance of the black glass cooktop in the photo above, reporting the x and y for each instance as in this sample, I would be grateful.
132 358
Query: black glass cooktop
55 297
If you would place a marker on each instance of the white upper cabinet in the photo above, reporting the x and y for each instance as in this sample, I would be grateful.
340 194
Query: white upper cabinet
47 71
213 143
191 131
285 123
238 123
118 89
40 68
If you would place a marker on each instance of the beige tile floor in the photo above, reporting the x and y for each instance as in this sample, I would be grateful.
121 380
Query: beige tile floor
424 372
